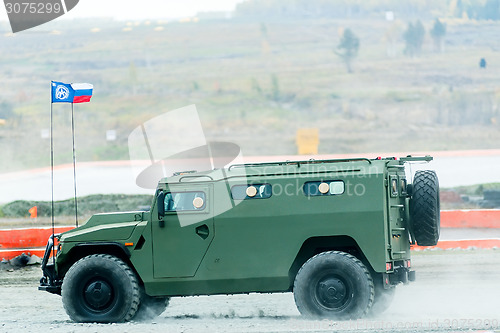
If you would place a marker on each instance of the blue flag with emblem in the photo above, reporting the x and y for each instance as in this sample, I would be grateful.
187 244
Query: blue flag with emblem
62 92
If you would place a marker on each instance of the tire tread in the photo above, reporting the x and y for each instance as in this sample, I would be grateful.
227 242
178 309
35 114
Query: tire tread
425 208
86 261
318 258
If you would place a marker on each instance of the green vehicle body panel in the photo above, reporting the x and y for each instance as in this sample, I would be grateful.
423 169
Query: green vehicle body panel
105 227
257 245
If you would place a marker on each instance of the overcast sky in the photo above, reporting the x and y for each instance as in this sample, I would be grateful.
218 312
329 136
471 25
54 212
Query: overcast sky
142 9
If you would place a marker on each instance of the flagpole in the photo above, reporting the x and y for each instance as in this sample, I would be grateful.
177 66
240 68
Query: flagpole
74 161
52 177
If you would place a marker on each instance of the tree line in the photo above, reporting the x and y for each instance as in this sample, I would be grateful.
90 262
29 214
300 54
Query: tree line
414 37
473 9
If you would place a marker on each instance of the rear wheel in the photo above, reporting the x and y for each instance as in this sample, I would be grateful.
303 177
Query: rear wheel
425 208
333 285
100 288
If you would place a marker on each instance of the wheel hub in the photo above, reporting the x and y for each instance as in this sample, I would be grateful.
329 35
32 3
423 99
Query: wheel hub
98 294
331 292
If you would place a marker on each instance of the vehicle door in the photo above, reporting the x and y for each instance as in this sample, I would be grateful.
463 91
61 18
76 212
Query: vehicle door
183 235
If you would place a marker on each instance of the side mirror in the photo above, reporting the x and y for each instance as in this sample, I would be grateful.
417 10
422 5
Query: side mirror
160 203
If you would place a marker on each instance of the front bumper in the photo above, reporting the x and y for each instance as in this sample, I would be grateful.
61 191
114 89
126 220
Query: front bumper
50 281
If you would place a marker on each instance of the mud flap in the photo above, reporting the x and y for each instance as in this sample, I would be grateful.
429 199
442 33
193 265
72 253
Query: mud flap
401 275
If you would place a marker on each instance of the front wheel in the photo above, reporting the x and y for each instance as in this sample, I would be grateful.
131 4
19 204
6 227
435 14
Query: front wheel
100 288
334 285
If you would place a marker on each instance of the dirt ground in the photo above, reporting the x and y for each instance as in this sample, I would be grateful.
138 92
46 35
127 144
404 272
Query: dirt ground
455 291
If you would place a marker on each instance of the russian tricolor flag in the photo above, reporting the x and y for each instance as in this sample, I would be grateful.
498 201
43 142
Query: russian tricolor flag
82 92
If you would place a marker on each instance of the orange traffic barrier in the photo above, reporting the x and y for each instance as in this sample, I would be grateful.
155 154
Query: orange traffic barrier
476 218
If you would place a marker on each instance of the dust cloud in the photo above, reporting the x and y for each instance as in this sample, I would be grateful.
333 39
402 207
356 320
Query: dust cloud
455 291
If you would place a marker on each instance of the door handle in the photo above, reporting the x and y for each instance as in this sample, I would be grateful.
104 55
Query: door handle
203 231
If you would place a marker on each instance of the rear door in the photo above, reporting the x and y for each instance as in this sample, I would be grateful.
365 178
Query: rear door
398 234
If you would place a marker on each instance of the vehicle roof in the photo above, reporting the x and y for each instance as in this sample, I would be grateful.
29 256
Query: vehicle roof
361 165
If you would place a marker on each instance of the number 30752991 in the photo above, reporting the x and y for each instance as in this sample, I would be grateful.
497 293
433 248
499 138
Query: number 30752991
33 7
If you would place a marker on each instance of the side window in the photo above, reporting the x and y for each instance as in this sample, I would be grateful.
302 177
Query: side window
185 201
251 191
322 188
394 186
402 183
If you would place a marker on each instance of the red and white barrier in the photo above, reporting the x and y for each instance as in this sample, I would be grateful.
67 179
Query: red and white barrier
474 218
462 244
14 242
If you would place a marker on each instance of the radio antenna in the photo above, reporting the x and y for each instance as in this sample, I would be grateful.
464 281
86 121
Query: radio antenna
52 178
74 161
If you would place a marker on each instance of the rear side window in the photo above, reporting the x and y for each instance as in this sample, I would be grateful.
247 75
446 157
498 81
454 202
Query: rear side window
185 201
402 183
251 191
324 188
394 186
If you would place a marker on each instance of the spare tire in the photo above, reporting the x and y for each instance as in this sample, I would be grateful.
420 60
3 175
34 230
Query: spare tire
425 208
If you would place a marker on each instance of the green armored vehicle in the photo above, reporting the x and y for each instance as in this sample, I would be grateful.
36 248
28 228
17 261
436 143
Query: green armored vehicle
336 233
